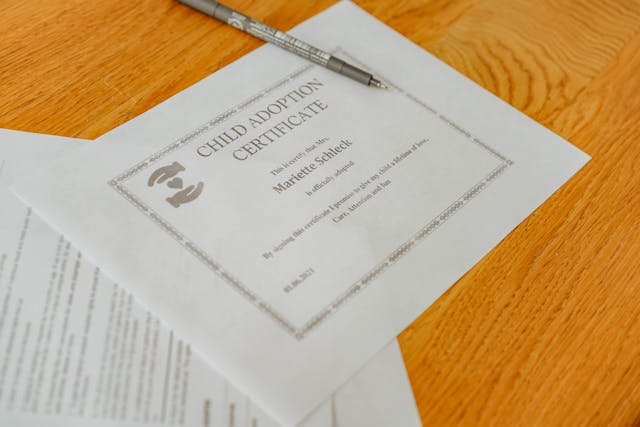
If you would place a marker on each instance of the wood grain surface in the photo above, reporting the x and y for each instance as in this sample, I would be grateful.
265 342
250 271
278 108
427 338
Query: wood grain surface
545 330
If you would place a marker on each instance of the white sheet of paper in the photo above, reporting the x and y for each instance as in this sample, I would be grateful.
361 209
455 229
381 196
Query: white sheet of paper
80 370
303 220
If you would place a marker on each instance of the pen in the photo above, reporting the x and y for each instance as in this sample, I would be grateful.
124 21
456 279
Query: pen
283 40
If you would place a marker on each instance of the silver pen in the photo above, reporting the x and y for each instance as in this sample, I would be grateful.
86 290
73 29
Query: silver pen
283 40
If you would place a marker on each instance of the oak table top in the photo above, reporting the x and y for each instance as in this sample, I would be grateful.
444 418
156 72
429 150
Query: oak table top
546 328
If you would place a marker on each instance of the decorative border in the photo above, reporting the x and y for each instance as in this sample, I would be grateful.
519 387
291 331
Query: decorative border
299 333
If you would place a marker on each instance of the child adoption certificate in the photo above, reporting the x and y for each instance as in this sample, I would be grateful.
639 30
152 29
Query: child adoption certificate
289 222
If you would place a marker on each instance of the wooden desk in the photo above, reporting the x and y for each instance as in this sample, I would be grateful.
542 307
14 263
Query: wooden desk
546 328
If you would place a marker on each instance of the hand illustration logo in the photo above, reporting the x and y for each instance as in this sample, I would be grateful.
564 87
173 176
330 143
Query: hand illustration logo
168 174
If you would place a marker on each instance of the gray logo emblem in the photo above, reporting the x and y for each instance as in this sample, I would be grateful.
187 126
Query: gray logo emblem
235 22
168 174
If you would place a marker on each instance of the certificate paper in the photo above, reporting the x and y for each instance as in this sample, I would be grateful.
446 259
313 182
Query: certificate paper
290 222
77 349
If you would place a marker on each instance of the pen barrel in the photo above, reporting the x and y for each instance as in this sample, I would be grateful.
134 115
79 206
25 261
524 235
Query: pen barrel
270 35
278 38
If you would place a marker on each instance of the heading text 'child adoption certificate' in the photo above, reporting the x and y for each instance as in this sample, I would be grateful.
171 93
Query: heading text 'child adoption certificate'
289 222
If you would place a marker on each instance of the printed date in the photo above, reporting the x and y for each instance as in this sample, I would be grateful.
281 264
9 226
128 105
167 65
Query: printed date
298 280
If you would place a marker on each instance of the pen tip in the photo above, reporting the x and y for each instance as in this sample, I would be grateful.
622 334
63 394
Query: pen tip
377 83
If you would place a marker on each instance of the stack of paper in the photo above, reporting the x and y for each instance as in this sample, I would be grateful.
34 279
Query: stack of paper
79 350
287 224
